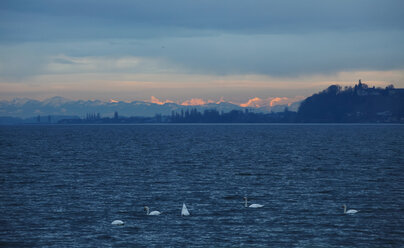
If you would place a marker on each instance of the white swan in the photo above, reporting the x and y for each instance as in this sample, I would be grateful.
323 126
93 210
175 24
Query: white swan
252 205
117 223
152 212
350 211
184 211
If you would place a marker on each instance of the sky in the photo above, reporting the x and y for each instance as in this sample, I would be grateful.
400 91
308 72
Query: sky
178 50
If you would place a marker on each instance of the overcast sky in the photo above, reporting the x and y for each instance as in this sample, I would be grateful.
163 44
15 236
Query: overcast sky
177 49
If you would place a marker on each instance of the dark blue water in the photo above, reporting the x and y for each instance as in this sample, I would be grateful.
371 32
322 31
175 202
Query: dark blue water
62 186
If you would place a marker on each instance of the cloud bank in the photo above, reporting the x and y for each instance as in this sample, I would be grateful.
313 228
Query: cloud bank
125 40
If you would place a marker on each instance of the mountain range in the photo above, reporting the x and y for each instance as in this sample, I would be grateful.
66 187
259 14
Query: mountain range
59 106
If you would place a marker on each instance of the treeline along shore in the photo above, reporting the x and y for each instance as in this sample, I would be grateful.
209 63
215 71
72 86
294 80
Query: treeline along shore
336 104
358 104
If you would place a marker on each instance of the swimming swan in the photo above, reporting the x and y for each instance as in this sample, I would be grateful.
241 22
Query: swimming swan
152 212
184 211
117 223
252 205
350 211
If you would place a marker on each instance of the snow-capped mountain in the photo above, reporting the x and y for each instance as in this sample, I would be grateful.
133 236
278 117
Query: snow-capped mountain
24 107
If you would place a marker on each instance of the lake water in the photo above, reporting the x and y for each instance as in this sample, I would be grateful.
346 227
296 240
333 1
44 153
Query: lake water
62 186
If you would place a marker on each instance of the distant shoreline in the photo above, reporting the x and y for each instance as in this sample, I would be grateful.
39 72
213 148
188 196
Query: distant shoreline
208 124
358 104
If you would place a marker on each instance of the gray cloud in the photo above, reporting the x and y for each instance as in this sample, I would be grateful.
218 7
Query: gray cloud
278 38
75 19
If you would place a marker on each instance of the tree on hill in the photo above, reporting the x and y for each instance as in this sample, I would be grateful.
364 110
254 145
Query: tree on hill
357 104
